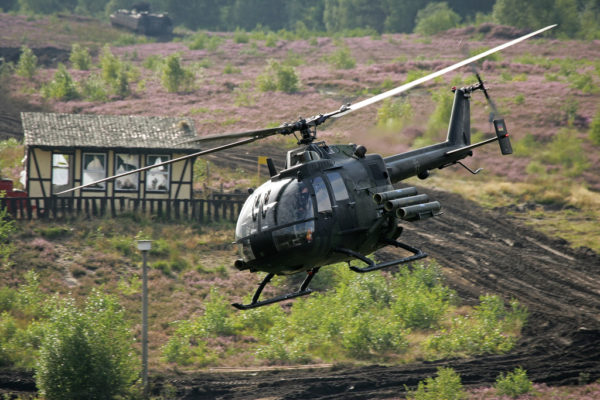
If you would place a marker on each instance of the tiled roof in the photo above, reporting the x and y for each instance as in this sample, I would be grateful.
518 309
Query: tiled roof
107 131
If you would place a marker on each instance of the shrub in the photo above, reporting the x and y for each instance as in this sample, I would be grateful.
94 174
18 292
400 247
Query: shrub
93 88
271 40
7 227
153 62
240 36
202 40
62 86
434 18
278 77
342 59
175 76
447 385
594 133
109 64
244 97
394 114
230 69
514 383
80 57
566 150
87 352
526 146
27 65
490 329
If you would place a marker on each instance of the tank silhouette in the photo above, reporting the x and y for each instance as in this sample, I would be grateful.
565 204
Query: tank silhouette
140 20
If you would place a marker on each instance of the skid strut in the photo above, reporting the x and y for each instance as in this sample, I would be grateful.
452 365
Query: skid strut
303 291
372 266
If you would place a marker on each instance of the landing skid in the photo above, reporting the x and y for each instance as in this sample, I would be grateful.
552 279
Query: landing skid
372 266
303 291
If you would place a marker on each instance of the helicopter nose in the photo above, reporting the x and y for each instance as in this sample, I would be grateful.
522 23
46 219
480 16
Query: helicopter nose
241 265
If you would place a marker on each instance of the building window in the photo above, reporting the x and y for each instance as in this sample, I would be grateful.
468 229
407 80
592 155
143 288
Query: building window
123 163
94 168
62 176
157 179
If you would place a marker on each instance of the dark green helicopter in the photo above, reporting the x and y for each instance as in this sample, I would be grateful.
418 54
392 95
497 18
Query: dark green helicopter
334 203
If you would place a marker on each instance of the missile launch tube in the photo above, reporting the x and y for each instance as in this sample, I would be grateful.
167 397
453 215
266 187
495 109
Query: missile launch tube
419 211
382 197
391 205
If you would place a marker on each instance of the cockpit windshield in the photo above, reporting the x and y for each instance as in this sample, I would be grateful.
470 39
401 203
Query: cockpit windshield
275 203
295 203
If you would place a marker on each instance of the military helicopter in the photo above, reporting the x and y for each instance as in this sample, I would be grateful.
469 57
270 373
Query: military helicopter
336 203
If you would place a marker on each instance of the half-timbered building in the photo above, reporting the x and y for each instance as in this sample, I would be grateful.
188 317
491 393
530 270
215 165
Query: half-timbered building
68 150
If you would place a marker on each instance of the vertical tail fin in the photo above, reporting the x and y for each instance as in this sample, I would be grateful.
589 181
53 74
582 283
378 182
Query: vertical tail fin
503 139
459 130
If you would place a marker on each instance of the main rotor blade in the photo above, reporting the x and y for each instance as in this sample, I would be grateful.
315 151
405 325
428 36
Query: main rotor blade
433 75
259 134
200 153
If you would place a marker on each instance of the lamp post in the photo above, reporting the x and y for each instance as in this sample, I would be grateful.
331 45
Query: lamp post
144 246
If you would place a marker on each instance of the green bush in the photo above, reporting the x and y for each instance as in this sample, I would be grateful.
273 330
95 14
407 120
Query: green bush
447 385
175 77
566 149
271 40
362 317
240 36
86 352
62 86
490 329
27 65
594 133
203 41
93 88
230 69
278 77
80 57
153 62
342 59
394 114
514 383
187 345
527 146
434 18
7 227
109 64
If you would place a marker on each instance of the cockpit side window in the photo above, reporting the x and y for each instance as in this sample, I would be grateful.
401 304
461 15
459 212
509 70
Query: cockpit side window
339 187
295 203
322 195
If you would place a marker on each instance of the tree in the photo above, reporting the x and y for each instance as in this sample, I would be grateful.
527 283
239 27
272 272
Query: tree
401 14
46 6
27 63
86 353
350 14
434 18
538 13
247 14
174 76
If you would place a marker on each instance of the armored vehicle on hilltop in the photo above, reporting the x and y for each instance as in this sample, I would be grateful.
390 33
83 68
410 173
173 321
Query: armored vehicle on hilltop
142 21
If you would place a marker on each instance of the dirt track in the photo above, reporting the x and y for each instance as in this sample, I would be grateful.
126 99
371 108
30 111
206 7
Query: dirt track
483 252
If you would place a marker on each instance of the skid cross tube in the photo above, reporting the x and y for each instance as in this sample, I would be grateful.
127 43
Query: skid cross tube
372 266
303 291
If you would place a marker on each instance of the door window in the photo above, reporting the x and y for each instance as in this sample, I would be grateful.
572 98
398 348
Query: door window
322 195
338 186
